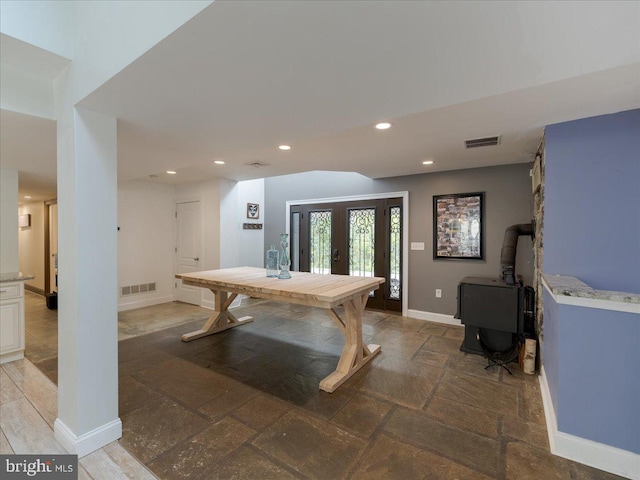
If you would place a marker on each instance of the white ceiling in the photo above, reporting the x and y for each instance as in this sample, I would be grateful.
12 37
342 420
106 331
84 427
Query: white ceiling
241 78
28 144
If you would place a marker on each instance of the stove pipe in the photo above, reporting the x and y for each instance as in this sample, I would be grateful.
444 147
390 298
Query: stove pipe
508 252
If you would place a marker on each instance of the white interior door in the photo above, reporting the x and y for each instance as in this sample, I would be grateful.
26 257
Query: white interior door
53 247
188 249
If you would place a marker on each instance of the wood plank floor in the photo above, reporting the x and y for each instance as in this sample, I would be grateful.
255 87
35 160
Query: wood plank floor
245 404
27 411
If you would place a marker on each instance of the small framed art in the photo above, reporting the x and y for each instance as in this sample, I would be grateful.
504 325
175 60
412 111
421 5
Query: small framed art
253 210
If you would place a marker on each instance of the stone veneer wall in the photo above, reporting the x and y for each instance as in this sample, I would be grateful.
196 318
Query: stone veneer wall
538 215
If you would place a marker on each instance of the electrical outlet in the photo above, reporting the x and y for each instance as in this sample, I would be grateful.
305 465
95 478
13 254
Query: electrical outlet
438 293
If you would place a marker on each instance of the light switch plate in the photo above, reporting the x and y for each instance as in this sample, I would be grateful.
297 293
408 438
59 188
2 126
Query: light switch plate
417 245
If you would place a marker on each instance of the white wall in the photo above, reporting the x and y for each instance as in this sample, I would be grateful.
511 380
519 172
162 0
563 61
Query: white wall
229 247
239 247
102 37
111 35
31 244
8 220
43 23
146 239
24 93
250 242
145 242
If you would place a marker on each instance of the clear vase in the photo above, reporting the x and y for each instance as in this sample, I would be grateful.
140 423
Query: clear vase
272 262
285 262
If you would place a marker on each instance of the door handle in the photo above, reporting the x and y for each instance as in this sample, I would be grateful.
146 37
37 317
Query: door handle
336 255
197 258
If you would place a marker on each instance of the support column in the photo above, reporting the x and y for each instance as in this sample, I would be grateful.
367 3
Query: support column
87 276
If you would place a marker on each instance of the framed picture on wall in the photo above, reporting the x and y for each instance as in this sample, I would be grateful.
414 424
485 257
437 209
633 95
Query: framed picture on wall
253 210
458 226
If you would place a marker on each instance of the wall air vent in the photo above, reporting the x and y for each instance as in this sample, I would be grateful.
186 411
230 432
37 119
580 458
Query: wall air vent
482 142
136 289
258 164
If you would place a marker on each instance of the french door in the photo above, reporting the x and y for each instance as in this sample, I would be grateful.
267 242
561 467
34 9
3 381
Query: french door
360 238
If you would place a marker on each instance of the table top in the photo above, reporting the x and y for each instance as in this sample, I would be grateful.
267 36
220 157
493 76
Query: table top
304 288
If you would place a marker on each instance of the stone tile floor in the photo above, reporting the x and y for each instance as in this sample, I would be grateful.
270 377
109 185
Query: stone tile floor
245 404
27 411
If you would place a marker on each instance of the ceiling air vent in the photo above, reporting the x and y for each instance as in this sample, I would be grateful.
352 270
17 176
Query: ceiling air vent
482 142
258 164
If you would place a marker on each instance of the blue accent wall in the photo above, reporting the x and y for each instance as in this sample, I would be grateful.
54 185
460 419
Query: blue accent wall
592 201
598 395
592 231
550 346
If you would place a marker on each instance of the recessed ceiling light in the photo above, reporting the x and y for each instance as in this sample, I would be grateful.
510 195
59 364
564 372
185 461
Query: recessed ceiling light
383 125
428 162
219 162
28 197
171 172
285 147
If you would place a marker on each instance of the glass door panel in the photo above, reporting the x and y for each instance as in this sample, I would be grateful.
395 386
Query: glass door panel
395 249
360 238
362 242
295 241
320 241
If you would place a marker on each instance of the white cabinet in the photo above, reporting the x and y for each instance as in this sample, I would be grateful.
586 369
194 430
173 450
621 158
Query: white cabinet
11 321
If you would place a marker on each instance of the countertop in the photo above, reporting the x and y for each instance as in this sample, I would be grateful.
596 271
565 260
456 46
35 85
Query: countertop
574 287
15 277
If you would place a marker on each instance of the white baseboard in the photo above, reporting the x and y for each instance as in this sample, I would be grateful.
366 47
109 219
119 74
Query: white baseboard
11 357
433 317
89 442
144 303
598 455
209 304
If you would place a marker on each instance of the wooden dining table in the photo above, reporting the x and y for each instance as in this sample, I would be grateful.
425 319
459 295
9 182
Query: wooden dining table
312 289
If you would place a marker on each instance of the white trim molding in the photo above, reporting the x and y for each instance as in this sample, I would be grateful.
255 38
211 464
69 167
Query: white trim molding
209 304
598 455
586 302
11 357
370 196
89 442
145 303
433 317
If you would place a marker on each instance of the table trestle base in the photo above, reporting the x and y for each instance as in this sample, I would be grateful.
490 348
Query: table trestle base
220 320
355 354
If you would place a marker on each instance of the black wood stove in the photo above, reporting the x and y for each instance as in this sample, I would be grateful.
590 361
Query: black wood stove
497 312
